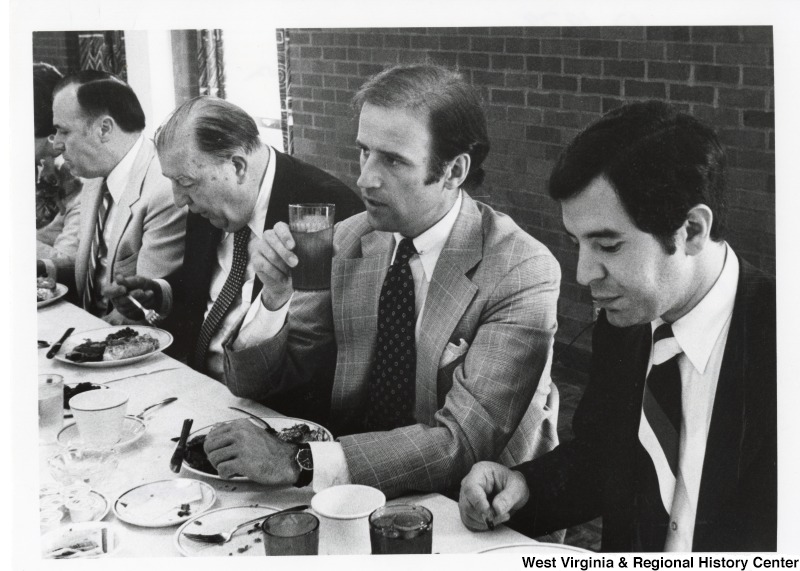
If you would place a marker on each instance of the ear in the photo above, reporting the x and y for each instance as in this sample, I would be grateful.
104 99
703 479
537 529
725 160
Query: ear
105 127
240 167
457 171
697 228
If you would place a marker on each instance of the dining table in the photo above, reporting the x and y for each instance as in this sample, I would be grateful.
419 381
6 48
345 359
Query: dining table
206 401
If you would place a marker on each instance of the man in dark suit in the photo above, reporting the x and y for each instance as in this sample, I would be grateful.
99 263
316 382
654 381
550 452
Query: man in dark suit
233 184
675 437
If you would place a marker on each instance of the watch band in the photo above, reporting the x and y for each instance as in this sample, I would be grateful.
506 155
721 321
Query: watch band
305 461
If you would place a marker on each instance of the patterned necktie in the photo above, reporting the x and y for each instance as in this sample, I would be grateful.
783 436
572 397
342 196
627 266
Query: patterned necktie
393 374
97 251
661 410
231 288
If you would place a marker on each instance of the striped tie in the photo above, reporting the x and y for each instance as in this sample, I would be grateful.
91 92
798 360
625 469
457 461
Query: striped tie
661 411
230 290
97 251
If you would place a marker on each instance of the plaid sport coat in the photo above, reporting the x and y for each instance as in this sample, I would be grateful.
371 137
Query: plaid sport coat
494 286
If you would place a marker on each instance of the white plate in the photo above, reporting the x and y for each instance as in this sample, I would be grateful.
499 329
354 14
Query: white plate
132 430
217 521
279 423
158 504
164 340
67 535
61 291
104 508
536 548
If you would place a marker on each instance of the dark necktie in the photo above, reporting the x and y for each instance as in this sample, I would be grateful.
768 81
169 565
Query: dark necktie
231 288
661 408
393 373
97 251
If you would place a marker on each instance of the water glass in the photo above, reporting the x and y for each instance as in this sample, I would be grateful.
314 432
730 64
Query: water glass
401 529
291 533
312 230
51 407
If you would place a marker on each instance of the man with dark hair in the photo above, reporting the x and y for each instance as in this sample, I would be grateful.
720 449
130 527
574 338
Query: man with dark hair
234 185
675 437
129 224
441 312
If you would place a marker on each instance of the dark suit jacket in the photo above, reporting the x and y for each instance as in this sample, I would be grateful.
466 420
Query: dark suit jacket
295 181
596 474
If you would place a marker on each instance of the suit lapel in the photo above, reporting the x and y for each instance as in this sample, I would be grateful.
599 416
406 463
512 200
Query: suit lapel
449 294
131 194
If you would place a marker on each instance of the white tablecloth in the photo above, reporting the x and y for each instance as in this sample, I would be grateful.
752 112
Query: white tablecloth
206 401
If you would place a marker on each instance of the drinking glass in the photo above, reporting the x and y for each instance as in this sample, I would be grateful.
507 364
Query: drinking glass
51 407
291 533
312 230
401 529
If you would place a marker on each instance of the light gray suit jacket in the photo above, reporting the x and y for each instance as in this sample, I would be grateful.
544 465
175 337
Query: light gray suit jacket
495 287
148 229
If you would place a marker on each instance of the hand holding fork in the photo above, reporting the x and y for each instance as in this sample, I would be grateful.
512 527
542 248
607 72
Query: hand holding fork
121 294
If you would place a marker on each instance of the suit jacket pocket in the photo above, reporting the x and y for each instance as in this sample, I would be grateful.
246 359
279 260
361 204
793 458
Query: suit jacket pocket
126 266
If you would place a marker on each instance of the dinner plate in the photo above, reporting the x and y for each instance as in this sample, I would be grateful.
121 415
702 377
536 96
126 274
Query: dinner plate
61 291
164 339
162 503
72 540
246 542
537 548
132 430
279 423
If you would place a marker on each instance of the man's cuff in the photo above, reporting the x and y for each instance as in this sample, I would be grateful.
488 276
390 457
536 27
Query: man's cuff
166 296
260 324
330 465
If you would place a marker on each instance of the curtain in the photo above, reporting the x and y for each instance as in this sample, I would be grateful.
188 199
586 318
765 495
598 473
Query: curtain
284 83
210 62
103 51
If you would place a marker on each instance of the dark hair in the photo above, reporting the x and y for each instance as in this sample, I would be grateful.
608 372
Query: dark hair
456 120
660 162
45 78
102 93
220 128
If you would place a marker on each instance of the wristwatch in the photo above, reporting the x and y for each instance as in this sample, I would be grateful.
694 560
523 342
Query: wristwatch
306 463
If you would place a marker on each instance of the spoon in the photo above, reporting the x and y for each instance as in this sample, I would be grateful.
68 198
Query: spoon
140 416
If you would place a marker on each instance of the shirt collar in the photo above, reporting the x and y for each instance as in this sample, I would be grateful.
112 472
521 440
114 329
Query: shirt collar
430 243
697 331
259 217
120 175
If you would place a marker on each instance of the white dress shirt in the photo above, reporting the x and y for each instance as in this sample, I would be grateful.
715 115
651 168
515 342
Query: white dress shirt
256 326
701 334
330 465
116 181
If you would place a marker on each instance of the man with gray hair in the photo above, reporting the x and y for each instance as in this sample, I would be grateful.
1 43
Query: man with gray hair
235 187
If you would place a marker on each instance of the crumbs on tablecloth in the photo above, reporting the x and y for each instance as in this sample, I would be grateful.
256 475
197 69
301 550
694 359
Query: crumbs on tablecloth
243 549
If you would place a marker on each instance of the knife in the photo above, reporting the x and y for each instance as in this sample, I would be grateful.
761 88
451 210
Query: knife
260 420
57 345
140 375
177 456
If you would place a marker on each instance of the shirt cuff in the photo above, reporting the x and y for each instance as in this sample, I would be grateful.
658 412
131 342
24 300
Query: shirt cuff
330 465
260 324
166 296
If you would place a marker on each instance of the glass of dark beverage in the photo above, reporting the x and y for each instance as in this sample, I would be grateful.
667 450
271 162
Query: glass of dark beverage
312 230
401 529
291 533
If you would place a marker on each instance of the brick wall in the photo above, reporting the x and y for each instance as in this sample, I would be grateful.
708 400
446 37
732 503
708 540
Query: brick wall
540 87
57 48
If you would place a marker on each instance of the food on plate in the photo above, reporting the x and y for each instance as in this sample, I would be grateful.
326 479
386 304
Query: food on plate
72 390
300 432
45 289
123 344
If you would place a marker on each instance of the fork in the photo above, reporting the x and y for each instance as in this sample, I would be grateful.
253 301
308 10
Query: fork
226 536
150 315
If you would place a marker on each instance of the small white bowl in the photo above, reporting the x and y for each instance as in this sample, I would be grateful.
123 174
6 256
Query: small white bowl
349 501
